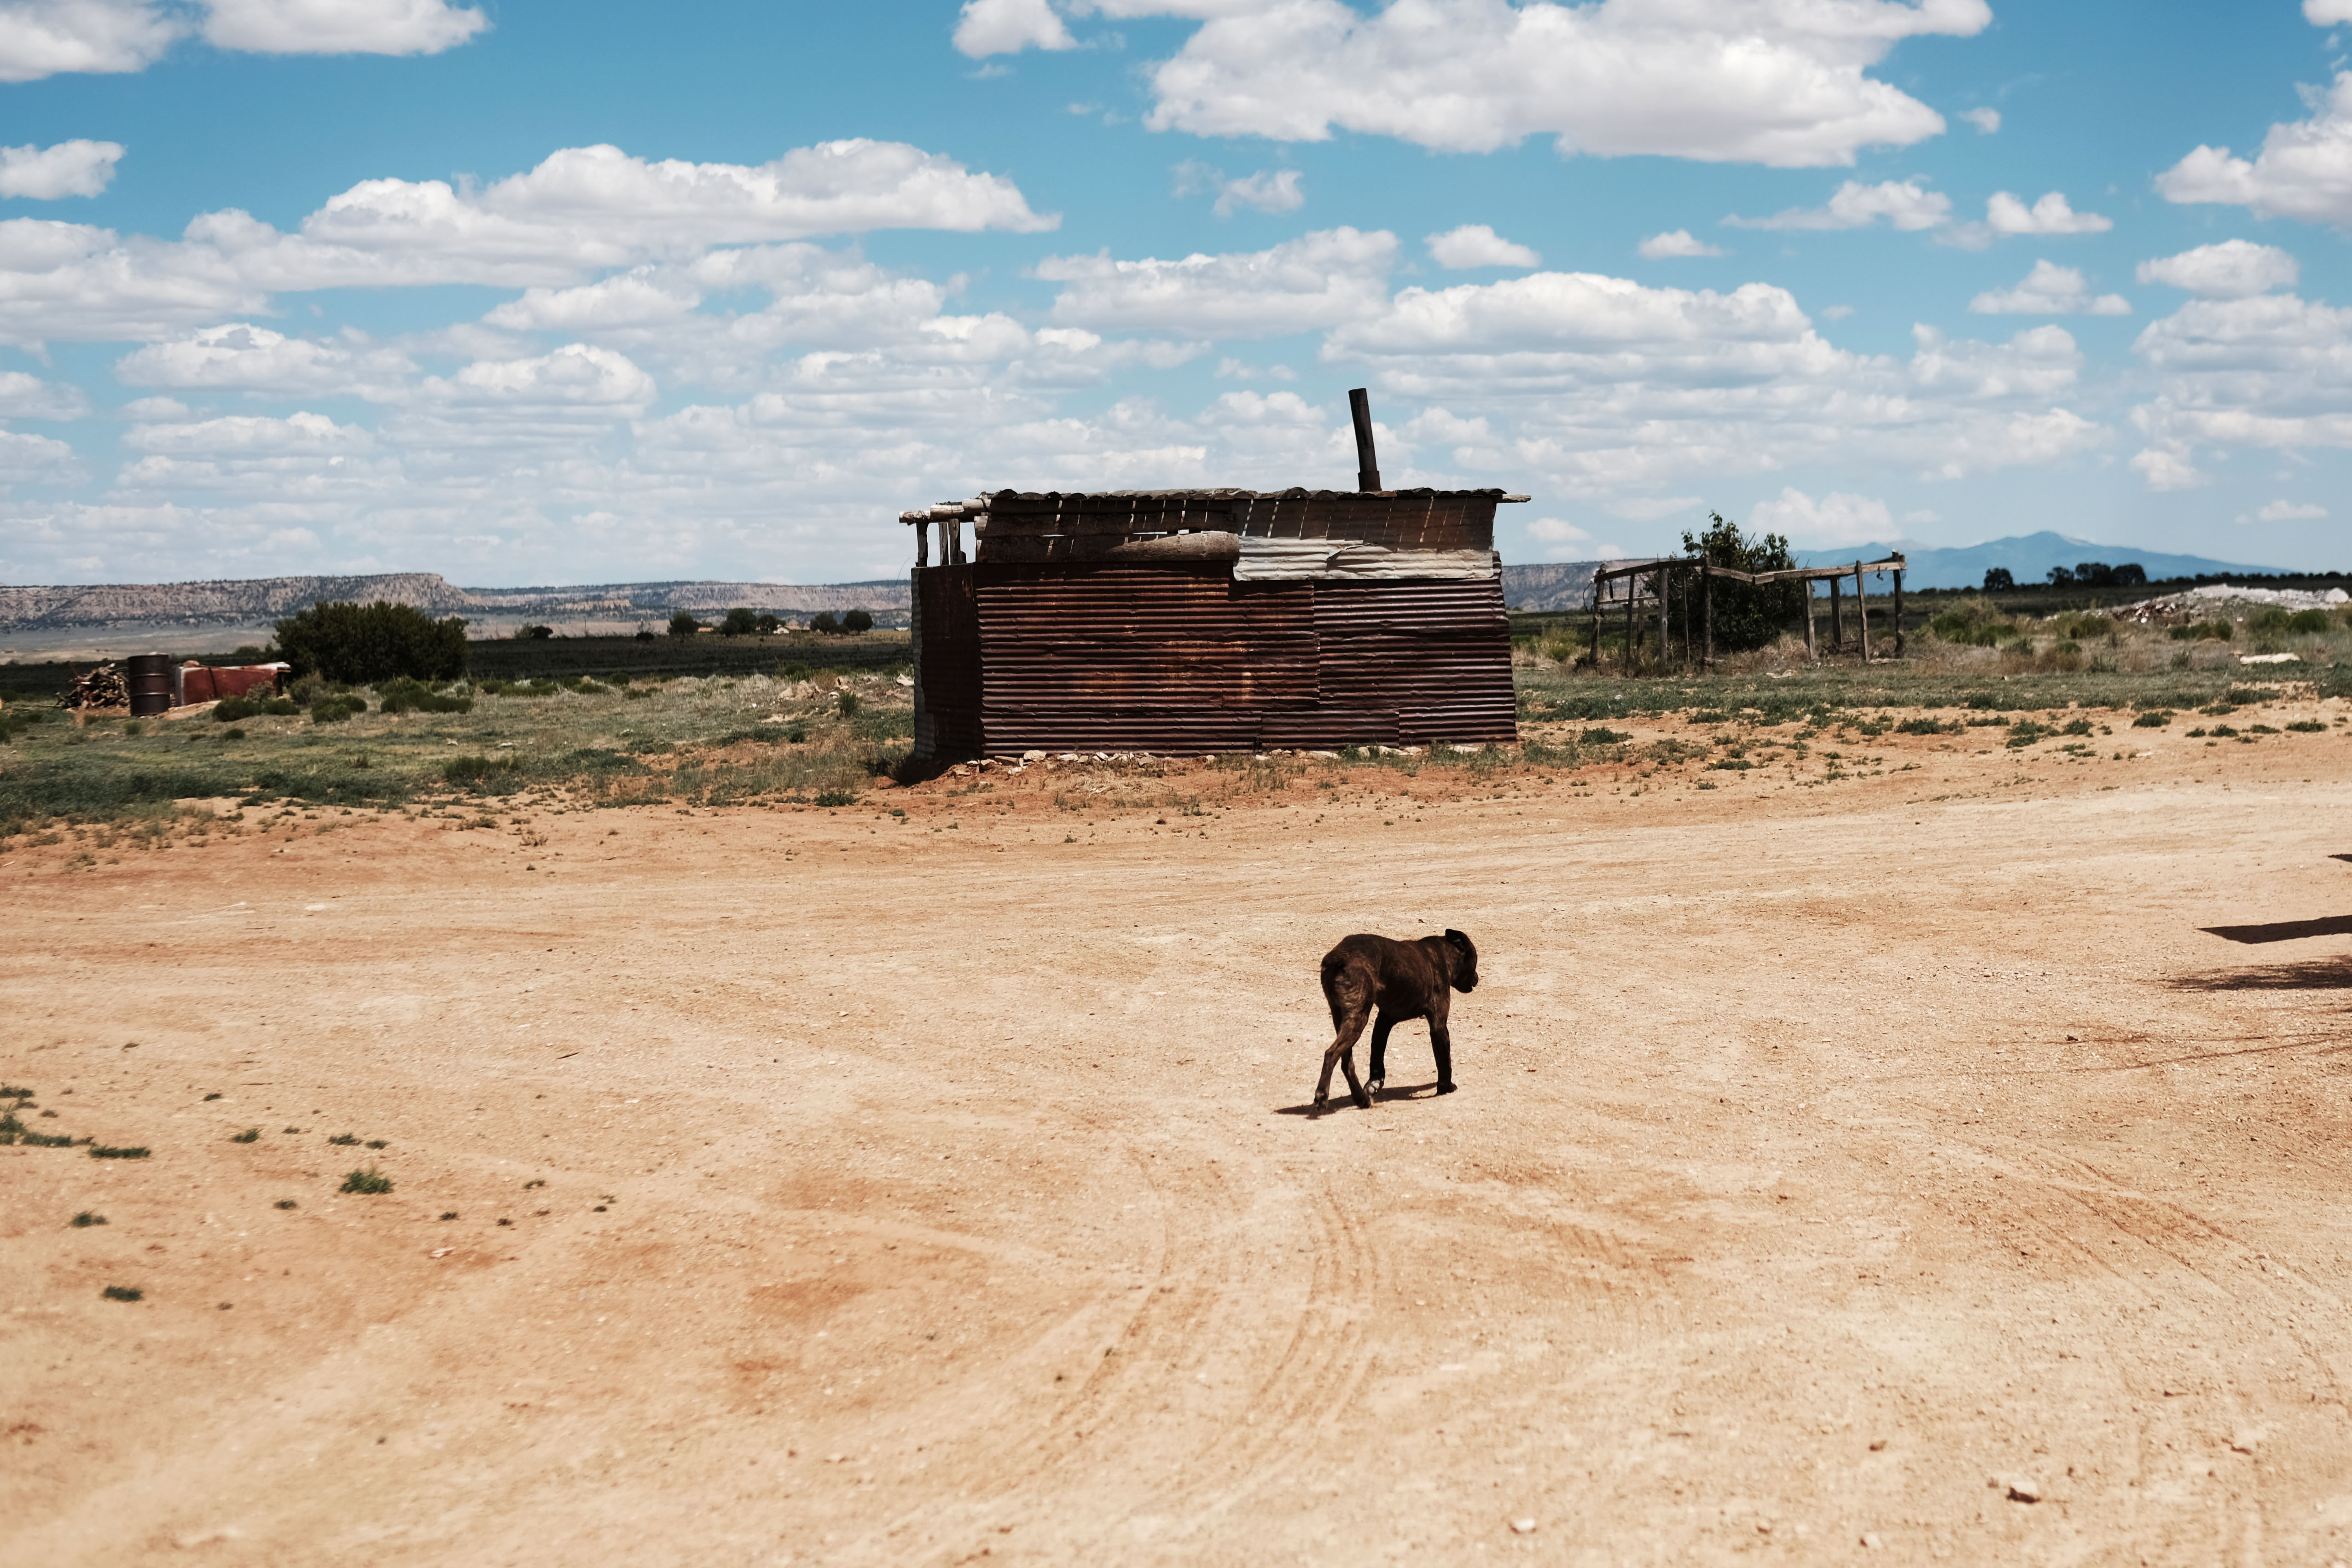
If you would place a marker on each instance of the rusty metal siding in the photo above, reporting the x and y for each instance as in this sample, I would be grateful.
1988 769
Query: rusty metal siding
1438 655
1181 659
947 662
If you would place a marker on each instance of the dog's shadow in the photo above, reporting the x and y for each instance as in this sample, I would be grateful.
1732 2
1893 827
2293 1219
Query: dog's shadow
1339 1100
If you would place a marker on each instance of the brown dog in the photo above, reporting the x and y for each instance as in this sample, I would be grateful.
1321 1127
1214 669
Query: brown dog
1404 980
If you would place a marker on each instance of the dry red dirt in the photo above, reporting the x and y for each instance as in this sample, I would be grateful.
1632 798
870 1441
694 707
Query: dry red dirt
1831 1164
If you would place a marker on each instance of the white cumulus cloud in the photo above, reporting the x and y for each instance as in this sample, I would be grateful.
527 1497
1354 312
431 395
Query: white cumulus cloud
241 357
1907 204
2230 270
1477 244
2285 511
340 26
77 168
26 396
1314 280
1007 26
1722 80
1836 519
1674 242
2049 290
1266 192
1985 120
2304 170
44 37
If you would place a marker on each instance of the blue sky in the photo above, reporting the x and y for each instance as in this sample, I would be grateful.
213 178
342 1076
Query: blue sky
533 293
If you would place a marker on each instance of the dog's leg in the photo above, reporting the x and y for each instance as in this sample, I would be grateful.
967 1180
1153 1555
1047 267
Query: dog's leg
1342 1055
1379 1063
1441 1040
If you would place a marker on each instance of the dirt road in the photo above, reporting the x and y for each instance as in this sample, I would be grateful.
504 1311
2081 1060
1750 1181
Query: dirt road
1891 1168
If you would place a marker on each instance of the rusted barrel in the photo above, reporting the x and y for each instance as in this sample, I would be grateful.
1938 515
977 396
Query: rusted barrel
151 684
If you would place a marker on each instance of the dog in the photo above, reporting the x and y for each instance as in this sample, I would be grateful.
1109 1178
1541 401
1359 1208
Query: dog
1403 980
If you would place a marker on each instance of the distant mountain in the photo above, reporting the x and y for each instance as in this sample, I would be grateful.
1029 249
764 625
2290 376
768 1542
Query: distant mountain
2029 558
256 600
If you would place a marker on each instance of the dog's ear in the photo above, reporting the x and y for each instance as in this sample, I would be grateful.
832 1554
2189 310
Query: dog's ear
1461 944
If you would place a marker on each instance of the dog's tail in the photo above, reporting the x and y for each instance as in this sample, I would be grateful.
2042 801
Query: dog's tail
1345 986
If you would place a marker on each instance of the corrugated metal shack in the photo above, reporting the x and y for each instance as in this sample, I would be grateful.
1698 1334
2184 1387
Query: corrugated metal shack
1187 622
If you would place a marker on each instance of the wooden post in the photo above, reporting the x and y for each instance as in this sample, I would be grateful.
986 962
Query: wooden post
1861 613
1812 652
1898 612
1837 620
1629 581
1707 607
922 544
1595 607
1659 580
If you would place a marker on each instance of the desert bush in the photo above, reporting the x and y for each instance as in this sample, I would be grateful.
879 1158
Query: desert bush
358 644
2306 623
1747 615
108 1151
847 703
1974 622
229 710
2154 719
2203 631
334 710
473 769
123 1293
87 1219
405 696
369 1182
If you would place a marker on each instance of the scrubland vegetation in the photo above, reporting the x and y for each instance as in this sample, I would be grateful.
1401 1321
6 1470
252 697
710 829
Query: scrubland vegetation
793 737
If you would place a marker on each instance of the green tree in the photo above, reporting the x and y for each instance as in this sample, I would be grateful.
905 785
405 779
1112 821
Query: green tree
738 622
1999 580
767 625
822 622
358 645
1747 615
857 621
684 625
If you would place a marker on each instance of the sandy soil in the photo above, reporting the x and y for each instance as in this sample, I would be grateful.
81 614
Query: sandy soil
1836 1168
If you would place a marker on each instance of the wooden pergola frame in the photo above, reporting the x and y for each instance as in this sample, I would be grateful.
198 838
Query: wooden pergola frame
1660 573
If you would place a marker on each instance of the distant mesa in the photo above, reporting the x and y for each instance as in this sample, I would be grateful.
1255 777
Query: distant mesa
248 602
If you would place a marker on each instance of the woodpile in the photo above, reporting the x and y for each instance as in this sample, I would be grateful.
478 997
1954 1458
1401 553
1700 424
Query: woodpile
103 686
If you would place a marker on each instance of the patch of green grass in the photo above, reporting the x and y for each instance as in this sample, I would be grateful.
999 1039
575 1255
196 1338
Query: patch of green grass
124 1293
108 1151
87 1219
251 1136
370 1182
1602 735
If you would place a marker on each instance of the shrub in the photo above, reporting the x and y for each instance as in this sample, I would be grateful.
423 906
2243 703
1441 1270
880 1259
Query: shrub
1747 615
231 708
106 1152
2308 727
335 710
251 1136
2079 727
1602 736
359 643
345 1140
288 1204
369 1182
2154 719
1924 727
847 701
123 1293
534 634
87 1219
2307 621
2203 631
2025 732
856 621
1974 622
836 797
475 770
2271 621
405 696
